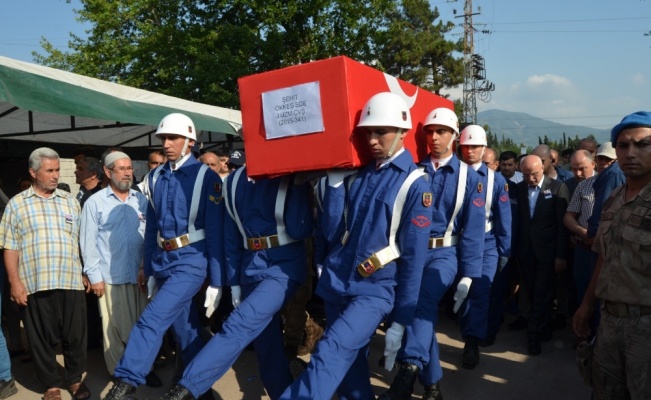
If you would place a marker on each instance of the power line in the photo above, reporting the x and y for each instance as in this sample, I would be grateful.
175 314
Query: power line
571 20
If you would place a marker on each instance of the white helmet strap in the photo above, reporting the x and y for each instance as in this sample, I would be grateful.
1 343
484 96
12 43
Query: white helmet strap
394 144
185 147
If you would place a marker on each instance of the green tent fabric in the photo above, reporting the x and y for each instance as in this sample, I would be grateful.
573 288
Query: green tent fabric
38 103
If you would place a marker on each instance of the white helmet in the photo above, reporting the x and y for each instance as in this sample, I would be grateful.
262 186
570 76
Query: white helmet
443 116
473 135
386 109
177 124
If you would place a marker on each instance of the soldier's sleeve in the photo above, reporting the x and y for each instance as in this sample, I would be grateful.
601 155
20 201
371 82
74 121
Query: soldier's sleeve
471 221
334 202
562 199
151 234
233 242
502 217
214 227
412 239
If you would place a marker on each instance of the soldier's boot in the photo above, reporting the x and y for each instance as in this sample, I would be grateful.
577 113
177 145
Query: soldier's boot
432 392
313 333
120 390
403 384
470 357
178 392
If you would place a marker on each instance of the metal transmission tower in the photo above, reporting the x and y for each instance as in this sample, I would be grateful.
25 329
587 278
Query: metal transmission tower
474 83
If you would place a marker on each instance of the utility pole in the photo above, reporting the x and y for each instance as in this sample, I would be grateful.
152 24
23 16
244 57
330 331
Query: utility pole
474 82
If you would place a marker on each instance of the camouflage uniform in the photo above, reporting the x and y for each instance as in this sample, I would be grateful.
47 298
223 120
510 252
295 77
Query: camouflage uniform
622 354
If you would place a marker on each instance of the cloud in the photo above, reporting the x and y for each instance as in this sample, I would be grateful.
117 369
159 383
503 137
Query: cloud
638 79
548 79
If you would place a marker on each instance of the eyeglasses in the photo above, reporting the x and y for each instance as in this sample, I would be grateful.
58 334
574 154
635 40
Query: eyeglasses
122 169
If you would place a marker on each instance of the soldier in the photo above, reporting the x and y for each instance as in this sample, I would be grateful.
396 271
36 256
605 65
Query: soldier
497 242
265 258
183 244
621 278
374 227
458 206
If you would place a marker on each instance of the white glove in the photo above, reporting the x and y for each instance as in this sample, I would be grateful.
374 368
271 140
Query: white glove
462 292
319 270
502 263
236 294
392 343
152 287
336 176
213 295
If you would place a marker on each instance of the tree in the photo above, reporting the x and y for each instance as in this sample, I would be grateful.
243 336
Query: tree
197 50
414 47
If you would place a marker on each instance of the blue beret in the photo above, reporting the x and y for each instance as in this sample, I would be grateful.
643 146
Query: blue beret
635 120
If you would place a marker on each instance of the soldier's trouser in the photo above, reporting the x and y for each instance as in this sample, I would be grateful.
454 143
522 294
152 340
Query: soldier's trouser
171 306
255 319
420 346
622 358
340 363
474 311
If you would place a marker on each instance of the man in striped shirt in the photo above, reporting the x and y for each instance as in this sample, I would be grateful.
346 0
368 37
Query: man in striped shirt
40 236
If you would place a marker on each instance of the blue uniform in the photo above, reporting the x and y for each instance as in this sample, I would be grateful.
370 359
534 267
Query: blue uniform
354 305
563 175
497 243
180 272
268 277
419 345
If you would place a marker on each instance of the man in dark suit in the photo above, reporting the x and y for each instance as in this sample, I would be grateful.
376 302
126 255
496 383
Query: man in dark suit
542 243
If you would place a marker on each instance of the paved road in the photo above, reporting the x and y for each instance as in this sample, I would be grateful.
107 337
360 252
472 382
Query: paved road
505 372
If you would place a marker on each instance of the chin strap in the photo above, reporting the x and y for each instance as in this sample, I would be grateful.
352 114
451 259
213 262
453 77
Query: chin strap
447 148
395 143
185 147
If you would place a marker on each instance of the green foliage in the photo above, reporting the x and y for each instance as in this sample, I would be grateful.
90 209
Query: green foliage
196 50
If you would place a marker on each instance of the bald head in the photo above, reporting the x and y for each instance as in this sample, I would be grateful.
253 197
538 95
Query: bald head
555 157
582 164
544 152
490 158
532 169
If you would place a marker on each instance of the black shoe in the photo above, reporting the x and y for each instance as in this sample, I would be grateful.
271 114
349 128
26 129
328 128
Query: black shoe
119 391
534 347
403 384
7 388
488 342
520 323
470 357
433 392
152 380
178 392
207 396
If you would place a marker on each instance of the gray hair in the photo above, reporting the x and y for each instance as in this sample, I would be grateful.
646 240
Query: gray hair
39 154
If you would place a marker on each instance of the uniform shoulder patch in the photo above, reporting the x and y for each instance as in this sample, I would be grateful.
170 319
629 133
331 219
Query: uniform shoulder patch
480 187
427 199
421 221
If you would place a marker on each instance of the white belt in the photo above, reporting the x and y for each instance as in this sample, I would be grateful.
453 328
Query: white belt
180 241
446 241
377 261
489 226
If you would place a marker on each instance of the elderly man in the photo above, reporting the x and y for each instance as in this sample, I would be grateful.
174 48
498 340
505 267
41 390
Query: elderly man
112 236
621 278
542 243
40 236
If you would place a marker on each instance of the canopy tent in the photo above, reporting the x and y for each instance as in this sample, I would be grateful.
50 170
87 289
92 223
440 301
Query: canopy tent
47 105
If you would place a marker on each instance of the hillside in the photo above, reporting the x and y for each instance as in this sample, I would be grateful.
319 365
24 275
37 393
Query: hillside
525 128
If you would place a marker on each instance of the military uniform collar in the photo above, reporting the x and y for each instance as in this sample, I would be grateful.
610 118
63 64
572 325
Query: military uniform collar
401 159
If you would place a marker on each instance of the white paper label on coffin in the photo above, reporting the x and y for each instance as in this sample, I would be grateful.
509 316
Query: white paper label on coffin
292 111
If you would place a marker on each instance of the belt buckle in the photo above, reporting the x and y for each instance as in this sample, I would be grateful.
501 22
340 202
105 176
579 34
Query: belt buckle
273 241
184 239
367 267
259 243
